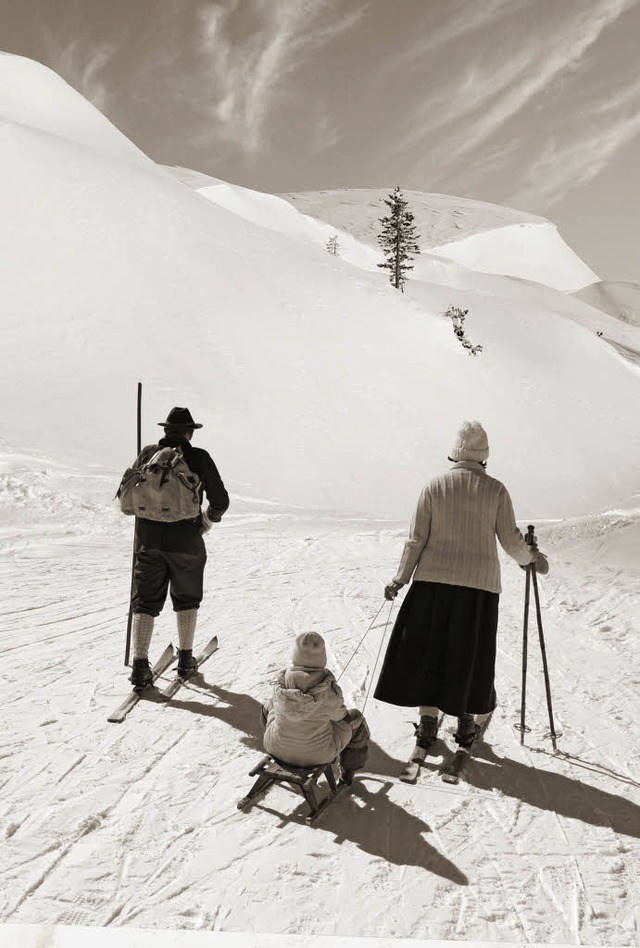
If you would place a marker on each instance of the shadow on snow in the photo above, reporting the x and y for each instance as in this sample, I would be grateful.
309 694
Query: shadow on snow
367 818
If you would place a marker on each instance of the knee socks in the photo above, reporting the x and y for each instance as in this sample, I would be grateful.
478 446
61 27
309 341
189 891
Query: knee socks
186 627
142 631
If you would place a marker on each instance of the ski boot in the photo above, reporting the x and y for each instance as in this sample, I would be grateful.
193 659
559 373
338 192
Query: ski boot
141 674
426 731
187 664
346 775
467 731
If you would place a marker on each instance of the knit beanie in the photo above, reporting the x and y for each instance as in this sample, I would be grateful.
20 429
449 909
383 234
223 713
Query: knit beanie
309 650
471 443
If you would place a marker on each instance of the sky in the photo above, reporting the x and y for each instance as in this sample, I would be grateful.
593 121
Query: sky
534 104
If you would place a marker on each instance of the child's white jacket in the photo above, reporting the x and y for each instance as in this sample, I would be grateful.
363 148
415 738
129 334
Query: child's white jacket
306 717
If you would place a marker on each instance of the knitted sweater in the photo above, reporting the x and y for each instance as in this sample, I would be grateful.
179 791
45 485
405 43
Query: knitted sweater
453 533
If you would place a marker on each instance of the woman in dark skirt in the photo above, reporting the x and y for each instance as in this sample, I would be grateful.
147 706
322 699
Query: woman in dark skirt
441 655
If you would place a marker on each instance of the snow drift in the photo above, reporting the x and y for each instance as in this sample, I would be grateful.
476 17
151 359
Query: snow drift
533 251
319 385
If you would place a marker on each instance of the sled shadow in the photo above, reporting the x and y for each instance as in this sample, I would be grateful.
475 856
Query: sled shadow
377 826
551 791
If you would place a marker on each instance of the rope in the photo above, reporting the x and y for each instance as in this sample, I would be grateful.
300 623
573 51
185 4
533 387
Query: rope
375 665
360 642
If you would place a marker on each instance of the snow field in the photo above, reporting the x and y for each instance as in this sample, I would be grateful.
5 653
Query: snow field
283 351
135 825
324 394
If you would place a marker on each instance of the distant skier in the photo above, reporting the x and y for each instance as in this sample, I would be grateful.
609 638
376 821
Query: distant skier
306 721
171 556
441 654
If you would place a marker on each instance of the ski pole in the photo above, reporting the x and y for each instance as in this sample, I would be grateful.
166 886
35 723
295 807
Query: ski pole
525 637
545 666
127 647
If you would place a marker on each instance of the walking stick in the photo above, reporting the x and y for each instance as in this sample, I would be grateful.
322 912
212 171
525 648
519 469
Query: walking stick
531 577
127 647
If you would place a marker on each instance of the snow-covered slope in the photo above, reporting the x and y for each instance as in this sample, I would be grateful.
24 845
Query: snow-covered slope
310 393
507 247
530 251
35 96
620 299
439 218
319 384
481 236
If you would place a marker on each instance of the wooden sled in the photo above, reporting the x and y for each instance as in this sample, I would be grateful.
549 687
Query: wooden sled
270 770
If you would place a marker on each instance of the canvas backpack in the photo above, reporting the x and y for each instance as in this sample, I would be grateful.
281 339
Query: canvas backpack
164 488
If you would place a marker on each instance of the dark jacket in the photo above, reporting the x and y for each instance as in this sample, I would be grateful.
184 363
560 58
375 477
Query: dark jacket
185 535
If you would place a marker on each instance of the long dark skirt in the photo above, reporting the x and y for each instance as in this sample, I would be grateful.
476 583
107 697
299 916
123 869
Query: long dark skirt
442 650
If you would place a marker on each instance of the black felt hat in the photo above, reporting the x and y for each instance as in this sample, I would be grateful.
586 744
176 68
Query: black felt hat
179 418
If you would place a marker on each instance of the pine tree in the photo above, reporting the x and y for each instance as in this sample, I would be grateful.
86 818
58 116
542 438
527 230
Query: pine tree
398 239
333 246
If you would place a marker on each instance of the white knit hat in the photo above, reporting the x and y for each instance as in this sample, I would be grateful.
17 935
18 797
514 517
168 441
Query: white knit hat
471 443
309 650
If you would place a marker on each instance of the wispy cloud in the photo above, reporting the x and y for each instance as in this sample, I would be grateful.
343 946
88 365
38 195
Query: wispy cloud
248 70
476 102
595 138
459 18
82 66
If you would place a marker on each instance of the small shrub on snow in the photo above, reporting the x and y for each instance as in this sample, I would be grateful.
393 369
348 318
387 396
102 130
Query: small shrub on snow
457 317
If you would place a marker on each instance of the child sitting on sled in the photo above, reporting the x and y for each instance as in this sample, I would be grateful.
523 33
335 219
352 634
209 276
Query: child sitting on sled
306 721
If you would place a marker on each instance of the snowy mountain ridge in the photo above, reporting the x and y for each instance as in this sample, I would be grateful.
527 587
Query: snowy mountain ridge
37 97
482 236
227 300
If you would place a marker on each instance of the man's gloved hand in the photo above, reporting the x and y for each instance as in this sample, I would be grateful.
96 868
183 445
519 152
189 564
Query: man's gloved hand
207 522
391 589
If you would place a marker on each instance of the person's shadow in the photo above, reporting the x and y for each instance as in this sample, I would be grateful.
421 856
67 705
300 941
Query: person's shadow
542 789
378 826
238 710
552 791
368 818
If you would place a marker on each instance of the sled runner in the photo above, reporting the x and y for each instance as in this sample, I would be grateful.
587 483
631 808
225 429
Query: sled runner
270 770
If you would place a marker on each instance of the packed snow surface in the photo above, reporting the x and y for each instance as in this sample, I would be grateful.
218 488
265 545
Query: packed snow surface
135 825
327 398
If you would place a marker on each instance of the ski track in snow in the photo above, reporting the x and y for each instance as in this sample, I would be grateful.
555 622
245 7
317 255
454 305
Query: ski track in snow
136 824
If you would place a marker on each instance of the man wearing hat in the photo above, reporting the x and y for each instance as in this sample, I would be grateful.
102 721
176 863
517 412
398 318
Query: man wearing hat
170 557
